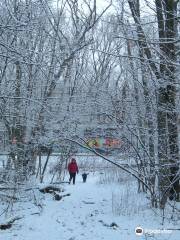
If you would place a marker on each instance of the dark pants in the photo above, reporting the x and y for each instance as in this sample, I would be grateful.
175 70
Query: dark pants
72 176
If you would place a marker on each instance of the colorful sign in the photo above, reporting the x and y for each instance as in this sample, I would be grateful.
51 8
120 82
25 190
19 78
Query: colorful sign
104 142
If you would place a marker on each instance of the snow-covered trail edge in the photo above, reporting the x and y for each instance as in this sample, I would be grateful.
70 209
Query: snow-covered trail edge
81 217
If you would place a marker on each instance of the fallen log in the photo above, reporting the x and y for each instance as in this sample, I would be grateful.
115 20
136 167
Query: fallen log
112 225
87 202
51 189
60 182
9 223
58 197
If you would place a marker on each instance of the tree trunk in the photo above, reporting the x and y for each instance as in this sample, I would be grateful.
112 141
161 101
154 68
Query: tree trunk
168 149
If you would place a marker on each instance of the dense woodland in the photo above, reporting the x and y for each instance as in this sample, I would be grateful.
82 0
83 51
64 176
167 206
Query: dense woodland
65 64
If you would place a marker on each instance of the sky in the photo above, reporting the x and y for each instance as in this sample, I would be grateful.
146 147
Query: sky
102 3
147 7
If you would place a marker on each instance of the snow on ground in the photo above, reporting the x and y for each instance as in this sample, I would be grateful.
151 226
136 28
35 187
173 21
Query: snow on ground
87 215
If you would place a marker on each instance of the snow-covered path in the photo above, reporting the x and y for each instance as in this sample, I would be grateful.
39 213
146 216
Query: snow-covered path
81 216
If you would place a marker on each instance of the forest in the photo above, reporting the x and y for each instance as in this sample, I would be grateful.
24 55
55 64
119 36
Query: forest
90 77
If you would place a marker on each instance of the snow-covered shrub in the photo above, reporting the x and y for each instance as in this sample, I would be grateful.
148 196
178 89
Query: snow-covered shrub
113 174
90 163
123 203
57 170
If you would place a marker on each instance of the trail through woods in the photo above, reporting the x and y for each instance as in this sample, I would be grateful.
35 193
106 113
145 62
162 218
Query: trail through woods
86 215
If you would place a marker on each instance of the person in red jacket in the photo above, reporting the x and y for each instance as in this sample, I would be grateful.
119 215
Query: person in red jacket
73 169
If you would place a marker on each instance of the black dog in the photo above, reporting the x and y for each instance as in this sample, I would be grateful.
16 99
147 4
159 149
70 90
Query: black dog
84 176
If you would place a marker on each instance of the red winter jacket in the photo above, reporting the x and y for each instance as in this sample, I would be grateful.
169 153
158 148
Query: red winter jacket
72 167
